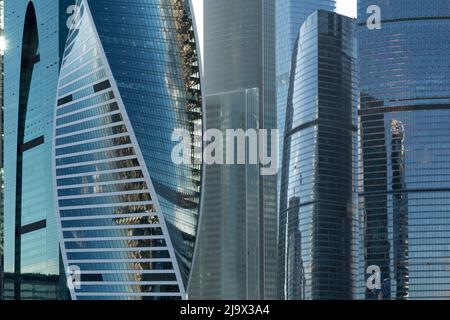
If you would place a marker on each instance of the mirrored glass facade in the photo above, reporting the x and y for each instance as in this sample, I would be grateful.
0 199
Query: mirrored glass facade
128 214
317 258
36 32
1 149
236 257
290 16
405 148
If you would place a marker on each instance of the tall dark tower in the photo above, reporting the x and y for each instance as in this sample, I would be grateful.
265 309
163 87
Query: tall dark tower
290 15
317 212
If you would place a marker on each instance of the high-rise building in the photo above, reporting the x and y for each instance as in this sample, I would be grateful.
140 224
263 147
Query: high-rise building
404 73
127 212
317 258
290 15
36 32
2 47
236 256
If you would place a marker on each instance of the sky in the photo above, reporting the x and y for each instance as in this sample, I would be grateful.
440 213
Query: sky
345 7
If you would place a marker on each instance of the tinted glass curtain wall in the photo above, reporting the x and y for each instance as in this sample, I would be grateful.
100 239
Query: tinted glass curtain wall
36 32
290 15
317 224
1 150
405 148
128 214
236 257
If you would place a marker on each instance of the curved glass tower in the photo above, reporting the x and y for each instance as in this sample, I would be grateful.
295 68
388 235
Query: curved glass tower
317 258
290 16
405 147
128 214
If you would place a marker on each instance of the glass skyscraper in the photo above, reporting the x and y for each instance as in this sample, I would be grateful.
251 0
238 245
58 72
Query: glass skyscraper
236 256
290 15
317 257
2 40
128 214
36 32
404 71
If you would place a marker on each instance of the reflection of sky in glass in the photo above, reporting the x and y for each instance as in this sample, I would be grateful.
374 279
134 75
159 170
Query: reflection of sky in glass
404 79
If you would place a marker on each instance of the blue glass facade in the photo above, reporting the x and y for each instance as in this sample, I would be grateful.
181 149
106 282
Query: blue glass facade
128 213
1 152
405 155
317 257
36 32
236 256
290 16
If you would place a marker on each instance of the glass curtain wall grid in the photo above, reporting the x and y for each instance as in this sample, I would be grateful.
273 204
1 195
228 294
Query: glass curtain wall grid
2 43
127 214
290 15
36 31
404 154
318 219
236 257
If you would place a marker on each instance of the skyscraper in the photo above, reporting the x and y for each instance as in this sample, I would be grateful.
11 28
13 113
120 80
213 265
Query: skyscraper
405 147
236 256
290 15
127 213
2 44
317 258
404 73
36 32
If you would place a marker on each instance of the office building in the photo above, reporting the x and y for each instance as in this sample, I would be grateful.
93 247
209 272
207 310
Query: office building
290 15
317 257
35 34
127 212
236 255
2 47
405 147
